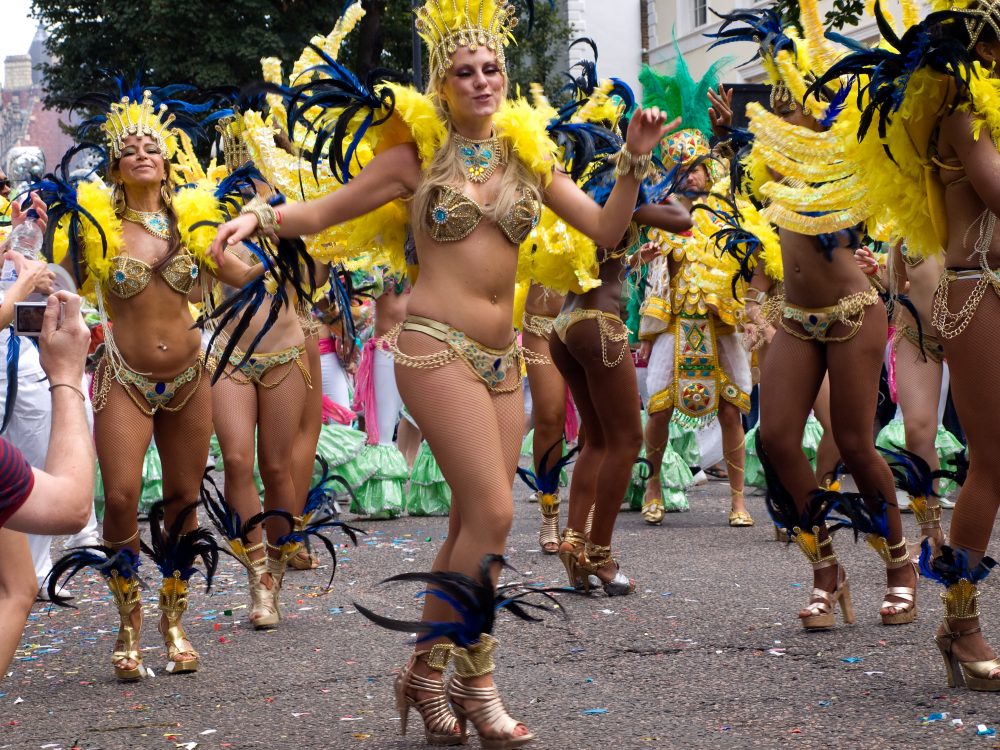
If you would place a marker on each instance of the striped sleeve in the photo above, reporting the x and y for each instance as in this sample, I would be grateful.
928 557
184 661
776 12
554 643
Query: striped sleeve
16 480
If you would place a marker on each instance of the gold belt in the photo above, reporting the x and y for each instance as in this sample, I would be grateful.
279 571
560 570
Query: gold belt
816 322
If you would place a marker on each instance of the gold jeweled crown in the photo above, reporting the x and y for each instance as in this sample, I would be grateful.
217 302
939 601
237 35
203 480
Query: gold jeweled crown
234 148
129 117
446 25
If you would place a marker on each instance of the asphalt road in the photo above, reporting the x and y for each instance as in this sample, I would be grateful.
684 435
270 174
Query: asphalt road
707 654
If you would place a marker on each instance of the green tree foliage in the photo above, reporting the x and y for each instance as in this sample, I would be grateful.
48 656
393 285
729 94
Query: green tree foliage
843 14
206 42
217 42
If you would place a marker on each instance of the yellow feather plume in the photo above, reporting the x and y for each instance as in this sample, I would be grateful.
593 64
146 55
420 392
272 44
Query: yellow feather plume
520 299
194 206
524 127
95 198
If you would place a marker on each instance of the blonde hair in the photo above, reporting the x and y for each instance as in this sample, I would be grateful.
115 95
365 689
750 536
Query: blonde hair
445 170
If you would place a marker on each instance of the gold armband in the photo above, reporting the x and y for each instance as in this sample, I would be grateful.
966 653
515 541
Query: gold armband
755 295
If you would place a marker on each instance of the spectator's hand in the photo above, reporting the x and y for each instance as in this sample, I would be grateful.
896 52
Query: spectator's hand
63 345
32 275
721 112
769 333
645 349
17 216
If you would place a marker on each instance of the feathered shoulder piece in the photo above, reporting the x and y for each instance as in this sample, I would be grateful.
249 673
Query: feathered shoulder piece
199 214
81 217
908 84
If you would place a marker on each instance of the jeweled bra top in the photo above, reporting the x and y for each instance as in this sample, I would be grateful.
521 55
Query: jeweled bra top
453 216
129 276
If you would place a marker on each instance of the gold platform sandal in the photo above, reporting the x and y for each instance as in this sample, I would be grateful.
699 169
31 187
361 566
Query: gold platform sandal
493 723
126 594
822 604
276 563
897 556
118 564
548 536
263 608
597 557
173 605
961 602
440 723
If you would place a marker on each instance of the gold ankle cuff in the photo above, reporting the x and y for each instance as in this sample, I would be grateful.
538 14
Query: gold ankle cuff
174 595
811 546
961 601
108 543
928 517
573 537
124 592
893 555
438 656
476 660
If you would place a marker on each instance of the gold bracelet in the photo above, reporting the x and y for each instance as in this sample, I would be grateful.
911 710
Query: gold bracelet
625 161
71 387
267 217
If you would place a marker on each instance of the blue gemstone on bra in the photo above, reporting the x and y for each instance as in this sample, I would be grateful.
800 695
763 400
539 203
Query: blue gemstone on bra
440 215
194 272
119 276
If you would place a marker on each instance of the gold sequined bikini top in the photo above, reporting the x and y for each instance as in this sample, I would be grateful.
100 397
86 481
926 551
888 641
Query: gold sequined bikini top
129 276
454 216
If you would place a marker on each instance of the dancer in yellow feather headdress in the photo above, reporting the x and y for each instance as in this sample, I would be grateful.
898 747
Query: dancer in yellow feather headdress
813 189
697 367
934 105
144 250
474 185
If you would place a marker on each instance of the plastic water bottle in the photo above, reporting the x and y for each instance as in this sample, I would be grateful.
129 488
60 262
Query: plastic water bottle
26 238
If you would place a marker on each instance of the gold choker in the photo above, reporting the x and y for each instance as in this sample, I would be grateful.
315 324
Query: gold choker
154 222
479 159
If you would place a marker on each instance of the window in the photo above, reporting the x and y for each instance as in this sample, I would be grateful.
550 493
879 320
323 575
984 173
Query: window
700 12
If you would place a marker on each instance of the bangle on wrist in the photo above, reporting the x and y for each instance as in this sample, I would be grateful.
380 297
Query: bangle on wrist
71 387
267 216
626 162
755 295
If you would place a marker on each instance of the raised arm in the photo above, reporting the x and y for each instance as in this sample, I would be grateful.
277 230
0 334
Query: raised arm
392 174
606 226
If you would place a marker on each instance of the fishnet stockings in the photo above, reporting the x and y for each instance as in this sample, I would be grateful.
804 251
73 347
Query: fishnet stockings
475 435
275 415
608 401
122 434
792 378
548 399
974 363
310 424
918 390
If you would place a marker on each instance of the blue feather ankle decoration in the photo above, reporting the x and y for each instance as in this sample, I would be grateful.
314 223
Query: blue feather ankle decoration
99 557
313 528
546 479
952 565
177 551
475 603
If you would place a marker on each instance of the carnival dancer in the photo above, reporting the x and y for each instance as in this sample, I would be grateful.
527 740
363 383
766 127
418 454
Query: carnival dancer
940 192
141 249
551 412
697 367
476 169
832 319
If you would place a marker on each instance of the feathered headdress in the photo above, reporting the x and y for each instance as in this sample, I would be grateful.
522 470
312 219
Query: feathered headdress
678 94
447 25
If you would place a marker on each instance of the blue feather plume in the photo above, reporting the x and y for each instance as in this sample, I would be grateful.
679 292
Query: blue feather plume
952 565
177 551
103 559
546 479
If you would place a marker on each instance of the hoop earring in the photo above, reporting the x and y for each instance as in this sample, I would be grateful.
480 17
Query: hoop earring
118 198
166 194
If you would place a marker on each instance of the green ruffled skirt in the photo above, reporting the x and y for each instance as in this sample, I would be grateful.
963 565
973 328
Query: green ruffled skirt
429 493
675 476
754 473
383 472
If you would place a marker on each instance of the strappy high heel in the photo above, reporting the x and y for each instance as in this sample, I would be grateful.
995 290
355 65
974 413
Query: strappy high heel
277 563
597 557
493 723
823 604
570 556
961 602
439 720
589 523
173 605
548 536
126 596
897 556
